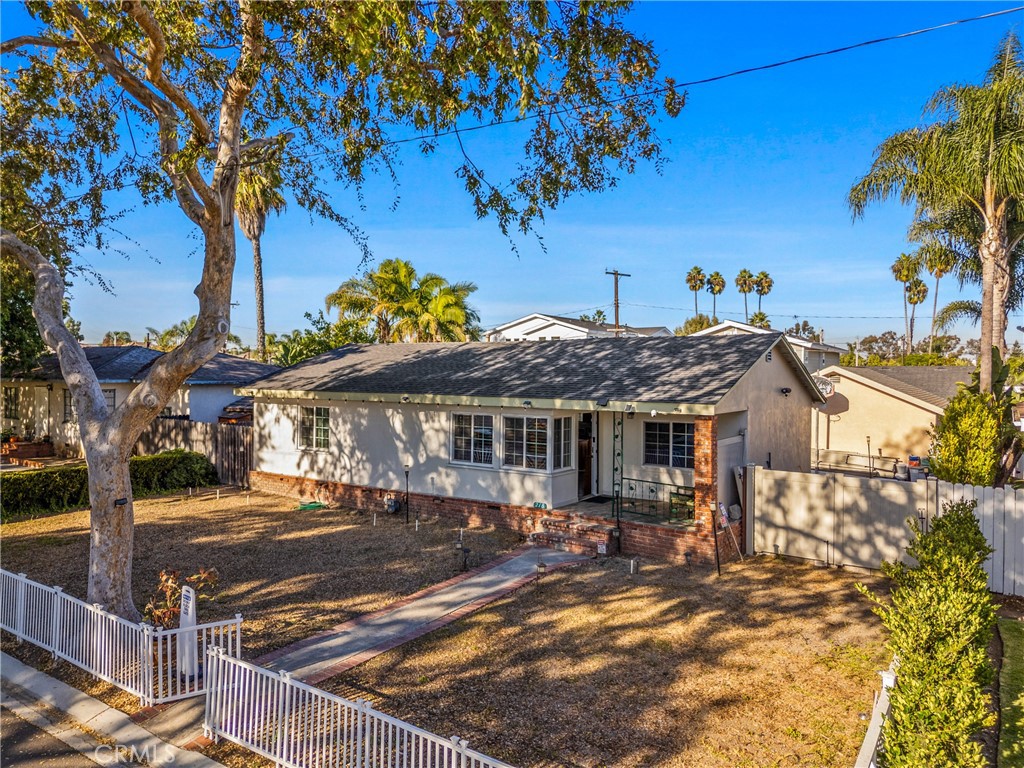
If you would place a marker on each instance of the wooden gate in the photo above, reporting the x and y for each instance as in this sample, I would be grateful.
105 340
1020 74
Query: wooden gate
228 446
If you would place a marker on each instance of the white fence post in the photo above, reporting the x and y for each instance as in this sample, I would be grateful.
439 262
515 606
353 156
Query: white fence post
19 607
55 628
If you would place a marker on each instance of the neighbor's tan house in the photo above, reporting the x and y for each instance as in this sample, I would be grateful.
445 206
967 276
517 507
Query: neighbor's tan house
892 409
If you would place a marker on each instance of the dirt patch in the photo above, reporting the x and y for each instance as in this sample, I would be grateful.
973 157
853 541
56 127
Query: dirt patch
771 664
290 573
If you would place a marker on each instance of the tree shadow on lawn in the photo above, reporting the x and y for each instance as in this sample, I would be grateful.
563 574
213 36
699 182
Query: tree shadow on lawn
772 664
290 573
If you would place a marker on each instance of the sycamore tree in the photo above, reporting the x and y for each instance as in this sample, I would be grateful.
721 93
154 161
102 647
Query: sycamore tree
333 90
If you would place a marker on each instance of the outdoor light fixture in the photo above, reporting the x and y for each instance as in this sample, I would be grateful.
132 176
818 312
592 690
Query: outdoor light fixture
527 404
785 391
654 413
542 568
602 401
407 468
405 398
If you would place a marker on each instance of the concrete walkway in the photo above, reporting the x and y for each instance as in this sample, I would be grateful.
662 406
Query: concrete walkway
340 648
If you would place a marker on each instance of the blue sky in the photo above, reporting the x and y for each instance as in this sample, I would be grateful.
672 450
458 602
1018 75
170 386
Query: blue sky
758 174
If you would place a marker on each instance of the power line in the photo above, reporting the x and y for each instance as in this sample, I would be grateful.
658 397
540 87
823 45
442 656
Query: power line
800 316
702 81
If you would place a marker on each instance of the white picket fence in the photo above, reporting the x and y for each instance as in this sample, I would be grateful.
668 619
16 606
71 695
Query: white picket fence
148 662
299 726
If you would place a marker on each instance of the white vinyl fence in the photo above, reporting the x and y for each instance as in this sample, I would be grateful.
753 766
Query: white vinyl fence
299 726
848 520
157 665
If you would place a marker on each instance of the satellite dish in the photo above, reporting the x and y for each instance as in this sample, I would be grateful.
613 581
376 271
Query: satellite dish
824 385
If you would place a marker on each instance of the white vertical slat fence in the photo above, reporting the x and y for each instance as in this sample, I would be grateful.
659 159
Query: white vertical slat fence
299 726
137 658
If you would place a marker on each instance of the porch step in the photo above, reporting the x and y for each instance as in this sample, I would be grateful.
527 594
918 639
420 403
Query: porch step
578 536
566 543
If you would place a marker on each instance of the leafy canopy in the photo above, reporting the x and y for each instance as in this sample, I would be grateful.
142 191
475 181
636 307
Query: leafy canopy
338 89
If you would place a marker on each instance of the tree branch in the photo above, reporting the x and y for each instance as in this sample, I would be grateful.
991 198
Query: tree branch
29 41
48 310
155 74
162 110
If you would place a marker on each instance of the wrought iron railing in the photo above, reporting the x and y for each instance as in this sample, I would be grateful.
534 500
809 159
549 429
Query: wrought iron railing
664 501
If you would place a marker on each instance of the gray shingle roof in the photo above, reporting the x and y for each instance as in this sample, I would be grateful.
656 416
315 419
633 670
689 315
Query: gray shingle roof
130 363
644 369
934 384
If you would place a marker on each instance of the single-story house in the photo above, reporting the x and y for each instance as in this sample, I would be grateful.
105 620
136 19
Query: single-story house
498 431
538 327
815 355
886 409
38 403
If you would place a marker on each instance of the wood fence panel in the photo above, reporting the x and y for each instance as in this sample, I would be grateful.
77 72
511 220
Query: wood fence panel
228 446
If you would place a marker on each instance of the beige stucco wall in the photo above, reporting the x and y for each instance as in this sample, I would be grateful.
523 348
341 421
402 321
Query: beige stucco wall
776 424
857 411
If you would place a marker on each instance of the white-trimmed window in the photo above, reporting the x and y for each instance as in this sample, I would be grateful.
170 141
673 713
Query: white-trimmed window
12 402
473 438
668 444
526 442
561 443
314 427
69 407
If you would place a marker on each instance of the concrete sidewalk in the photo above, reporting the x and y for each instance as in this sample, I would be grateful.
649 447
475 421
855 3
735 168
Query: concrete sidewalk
102 734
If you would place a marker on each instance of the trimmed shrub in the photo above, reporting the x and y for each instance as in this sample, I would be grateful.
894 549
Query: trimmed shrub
35 492
940 621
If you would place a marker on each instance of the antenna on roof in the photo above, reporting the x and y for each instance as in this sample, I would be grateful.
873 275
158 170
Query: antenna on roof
617 275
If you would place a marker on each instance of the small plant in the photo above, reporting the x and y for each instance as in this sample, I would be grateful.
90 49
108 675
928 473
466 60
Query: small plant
164 607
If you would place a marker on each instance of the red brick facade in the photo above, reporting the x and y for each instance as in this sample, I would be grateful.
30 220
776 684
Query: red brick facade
694 544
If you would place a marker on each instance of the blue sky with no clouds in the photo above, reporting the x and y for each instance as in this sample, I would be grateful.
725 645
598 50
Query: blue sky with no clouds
759 169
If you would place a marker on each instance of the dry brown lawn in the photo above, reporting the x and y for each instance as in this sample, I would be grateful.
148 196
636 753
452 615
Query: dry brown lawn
773 664
290 573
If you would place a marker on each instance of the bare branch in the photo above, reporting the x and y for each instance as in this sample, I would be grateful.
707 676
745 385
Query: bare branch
35 41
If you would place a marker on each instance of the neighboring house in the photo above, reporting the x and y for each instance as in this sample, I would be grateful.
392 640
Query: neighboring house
895 408
538 327
504 429
815 355
39 403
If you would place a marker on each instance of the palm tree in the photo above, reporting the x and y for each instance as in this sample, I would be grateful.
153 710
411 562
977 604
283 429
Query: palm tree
916 292
407 307
938 260
695 279
760 320
716 284
906 268
763 285
745 284
258 195
172 337
971 160
116 338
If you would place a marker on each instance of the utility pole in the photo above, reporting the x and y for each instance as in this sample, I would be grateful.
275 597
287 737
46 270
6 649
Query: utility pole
617 275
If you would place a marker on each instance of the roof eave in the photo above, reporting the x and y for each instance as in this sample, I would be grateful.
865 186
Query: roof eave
537 403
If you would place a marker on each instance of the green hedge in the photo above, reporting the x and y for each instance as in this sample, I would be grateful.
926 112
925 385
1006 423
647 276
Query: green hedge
42 491
940 621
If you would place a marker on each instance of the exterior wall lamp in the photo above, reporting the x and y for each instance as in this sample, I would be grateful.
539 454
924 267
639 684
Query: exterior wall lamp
785 391
527 404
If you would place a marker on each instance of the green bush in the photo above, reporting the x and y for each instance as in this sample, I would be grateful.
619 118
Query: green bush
940 620
34 492
966 442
